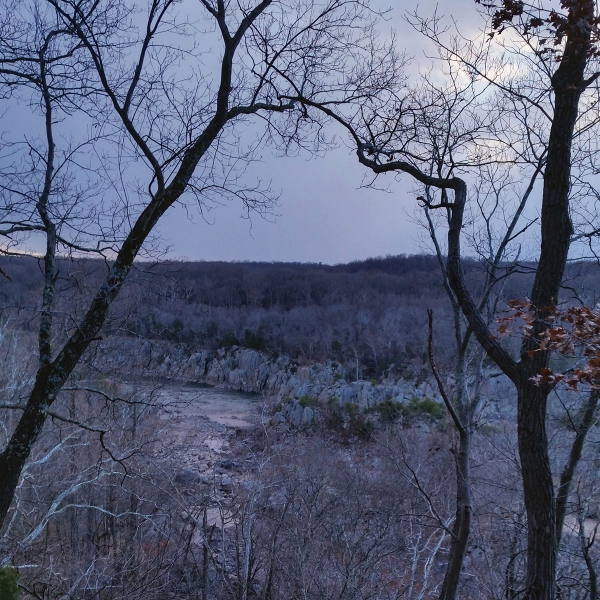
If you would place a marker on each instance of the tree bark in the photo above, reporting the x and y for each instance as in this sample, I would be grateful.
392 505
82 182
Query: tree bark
556 231
566 477
462 522
538 491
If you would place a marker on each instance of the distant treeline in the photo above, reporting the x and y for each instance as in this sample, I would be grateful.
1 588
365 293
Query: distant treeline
370 314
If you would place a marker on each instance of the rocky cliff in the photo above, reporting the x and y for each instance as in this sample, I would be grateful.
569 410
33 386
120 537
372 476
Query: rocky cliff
298 389
279 377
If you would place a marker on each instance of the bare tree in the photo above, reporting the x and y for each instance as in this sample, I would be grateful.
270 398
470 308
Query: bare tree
555 97
166 119
498 255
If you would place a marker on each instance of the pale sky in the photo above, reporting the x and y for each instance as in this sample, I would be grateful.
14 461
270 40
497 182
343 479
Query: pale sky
323 215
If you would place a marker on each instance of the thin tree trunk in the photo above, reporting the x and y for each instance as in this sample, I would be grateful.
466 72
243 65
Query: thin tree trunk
462 523
538 488
586 544
204 580
566 477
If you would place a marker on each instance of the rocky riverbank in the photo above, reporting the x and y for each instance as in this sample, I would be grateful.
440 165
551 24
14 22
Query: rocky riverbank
279 377
289 384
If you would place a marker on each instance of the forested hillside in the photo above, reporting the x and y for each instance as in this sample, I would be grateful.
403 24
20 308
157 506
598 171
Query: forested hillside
373 311
163 502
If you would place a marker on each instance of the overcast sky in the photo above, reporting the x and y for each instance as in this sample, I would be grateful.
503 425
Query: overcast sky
323 214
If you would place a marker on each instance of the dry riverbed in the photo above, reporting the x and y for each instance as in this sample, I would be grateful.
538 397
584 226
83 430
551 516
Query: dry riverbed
205 435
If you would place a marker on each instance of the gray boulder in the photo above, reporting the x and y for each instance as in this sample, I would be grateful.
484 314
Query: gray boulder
277 419
296 416
307 415
187 477
226 484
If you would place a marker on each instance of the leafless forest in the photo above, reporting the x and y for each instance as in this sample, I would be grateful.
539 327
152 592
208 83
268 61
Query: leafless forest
358 503
426 425
374 309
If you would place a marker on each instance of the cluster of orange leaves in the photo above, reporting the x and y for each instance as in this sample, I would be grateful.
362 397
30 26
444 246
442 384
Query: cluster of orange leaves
551 28
574 331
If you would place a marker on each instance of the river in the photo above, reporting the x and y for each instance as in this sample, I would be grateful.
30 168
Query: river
225 407
197 419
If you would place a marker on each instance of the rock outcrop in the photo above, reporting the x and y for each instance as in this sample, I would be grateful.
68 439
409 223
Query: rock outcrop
299 389
279 377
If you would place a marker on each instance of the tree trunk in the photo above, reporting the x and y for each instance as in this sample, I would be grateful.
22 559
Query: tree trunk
556 231
12 459
538 489
566 477
462 523
52 376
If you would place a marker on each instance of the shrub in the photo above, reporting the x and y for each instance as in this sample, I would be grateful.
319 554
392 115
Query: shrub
335 419
212 330
229 340
389 410
254 341
358 424
8 583
425 407
307 400
365 428
131 328
174 333
488 429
